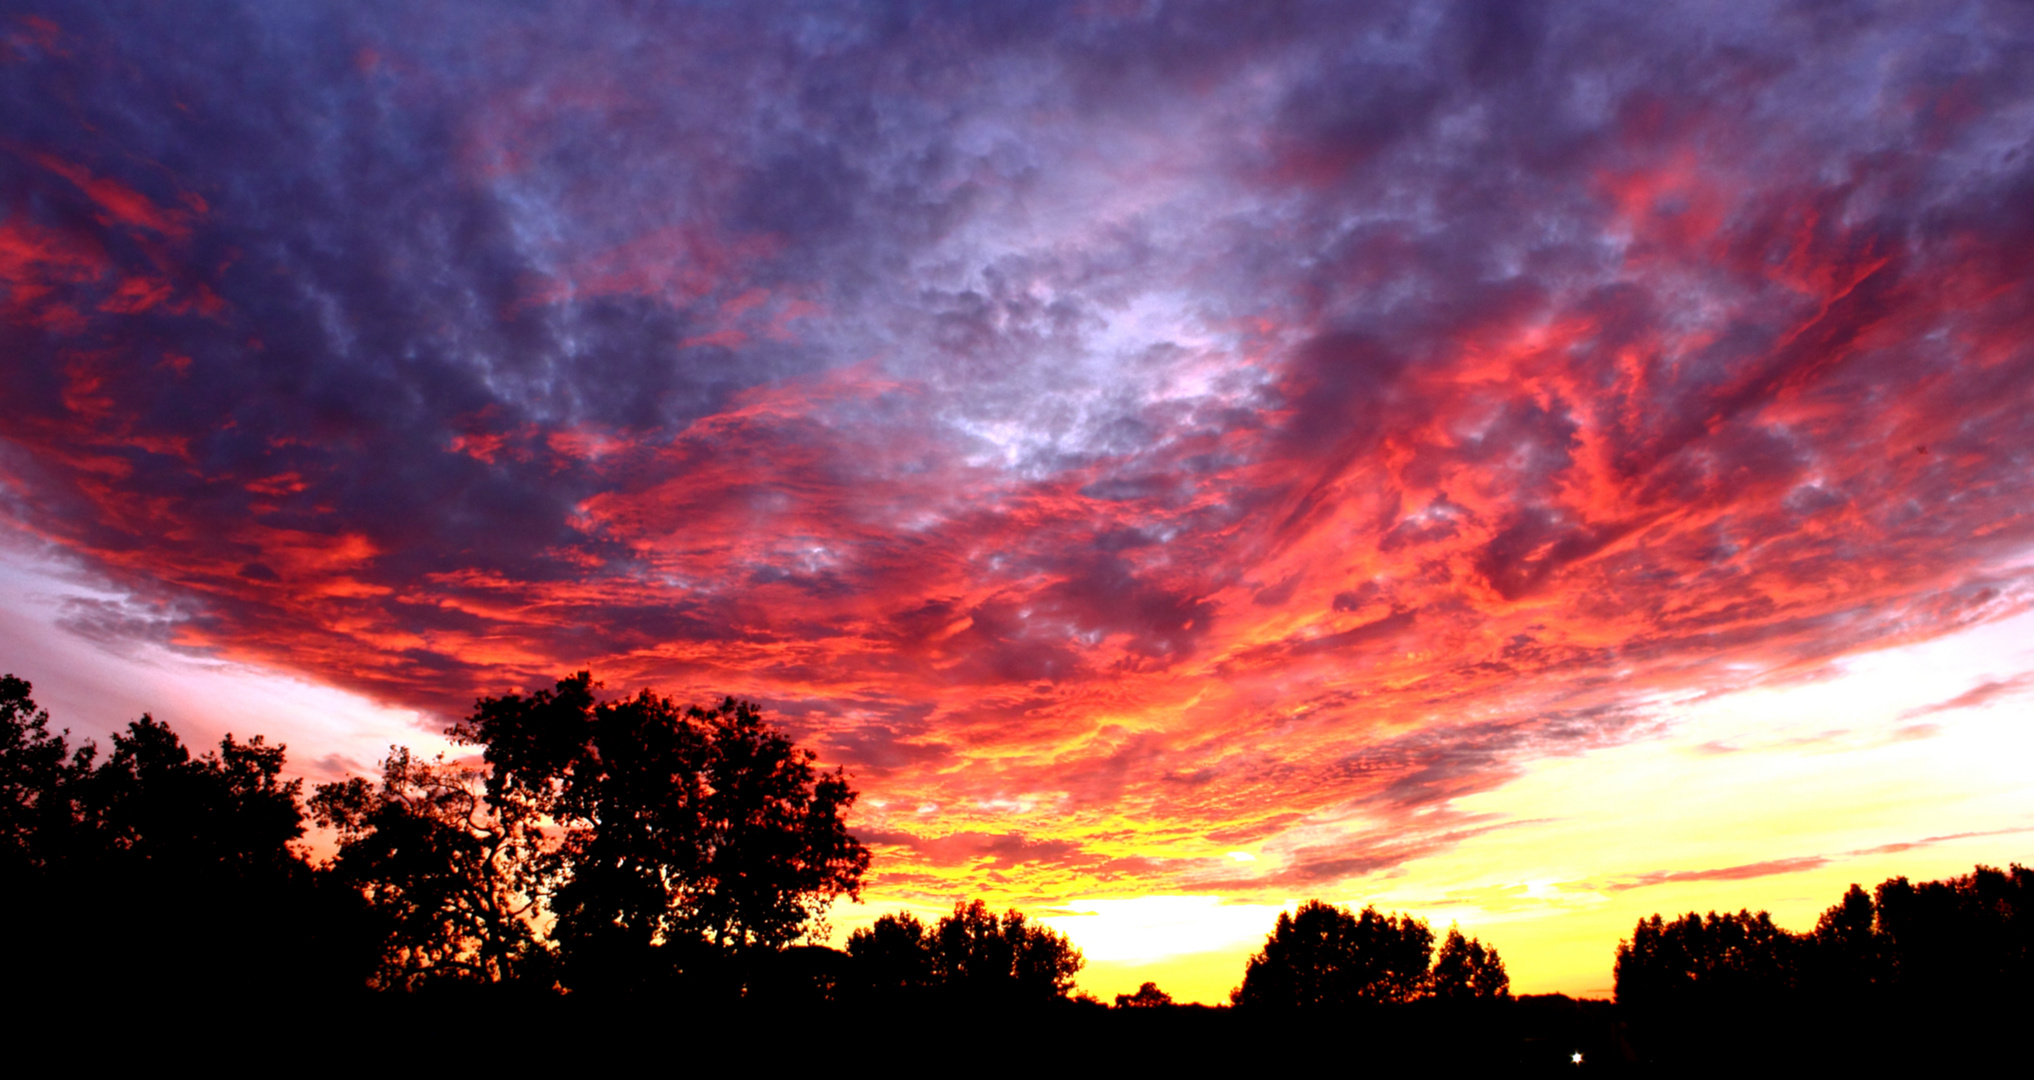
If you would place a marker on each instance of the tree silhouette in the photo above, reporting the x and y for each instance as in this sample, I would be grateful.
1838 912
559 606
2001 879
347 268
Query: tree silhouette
1847 956
1963 937
893 956
776 849
451 878
685 836
228 813
1947 958
1148 996
686 833
181 871
34 810
624 779
1465 970
970 955
1323 956
1695 961
981 955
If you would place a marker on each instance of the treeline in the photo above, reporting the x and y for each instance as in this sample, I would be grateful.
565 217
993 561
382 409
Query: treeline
1908 969
641 851
626 848
1964 935
611 850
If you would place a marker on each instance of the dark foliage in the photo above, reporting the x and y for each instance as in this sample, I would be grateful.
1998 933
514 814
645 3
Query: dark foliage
893 957
683 851
1327 957
981 954
1467 970
1969 936
685 845
33 775
971 955
1744 957
686 834
449 878
167 873
689 844
1148 996
1904 972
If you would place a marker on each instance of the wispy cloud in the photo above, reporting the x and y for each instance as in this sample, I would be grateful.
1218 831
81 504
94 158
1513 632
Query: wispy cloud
1981 694
1768 868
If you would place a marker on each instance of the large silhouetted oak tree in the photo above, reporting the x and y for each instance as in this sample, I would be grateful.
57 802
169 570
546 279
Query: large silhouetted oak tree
683 839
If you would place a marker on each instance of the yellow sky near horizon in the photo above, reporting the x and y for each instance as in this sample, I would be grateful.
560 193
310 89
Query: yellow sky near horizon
1833 780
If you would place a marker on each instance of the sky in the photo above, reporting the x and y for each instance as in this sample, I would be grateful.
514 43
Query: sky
1528 465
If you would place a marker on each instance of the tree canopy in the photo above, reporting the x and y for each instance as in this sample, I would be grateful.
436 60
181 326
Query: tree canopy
1148 996
185 868
1467 970
452 879
1321 956
1960 938
679 833
972 953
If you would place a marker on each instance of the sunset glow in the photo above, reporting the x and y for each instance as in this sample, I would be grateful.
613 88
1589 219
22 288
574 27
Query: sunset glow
1528 468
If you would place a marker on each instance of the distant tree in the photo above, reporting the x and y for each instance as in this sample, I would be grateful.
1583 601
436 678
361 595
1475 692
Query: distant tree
979 954
1963 937
1148 996
1693 960
972 954
893 956
1322 956
1466 970
452 881
1846 954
